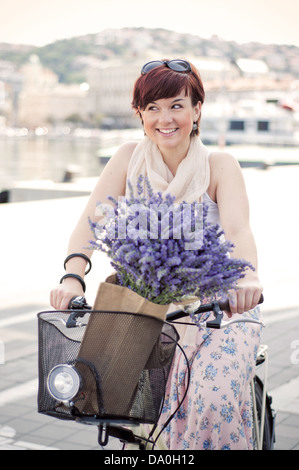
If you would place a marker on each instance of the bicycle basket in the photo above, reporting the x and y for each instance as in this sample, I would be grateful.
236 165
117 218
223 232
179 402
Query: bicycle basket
122 361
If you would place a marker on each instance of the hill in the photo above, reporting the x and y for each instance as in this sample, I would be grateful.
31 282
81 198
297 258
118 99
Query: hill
69 58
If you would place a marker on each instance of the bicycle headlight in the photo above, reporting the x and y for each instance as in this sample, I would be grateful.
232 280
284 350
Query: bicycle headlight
64 382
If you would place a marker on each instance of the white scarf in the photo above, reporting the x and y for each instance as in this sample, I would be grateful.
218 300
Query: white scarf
191 180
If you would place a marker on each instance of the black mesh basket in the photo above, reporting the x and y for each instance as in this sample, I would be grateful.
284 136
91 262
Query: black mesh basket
122 359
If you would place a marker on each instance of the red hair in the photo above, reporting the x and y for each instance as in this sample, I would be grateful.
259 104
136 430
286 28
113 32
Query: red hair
162 82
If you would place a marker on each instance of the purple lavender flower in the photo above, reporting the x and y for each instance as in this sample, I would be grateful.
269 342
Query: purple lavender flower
148 240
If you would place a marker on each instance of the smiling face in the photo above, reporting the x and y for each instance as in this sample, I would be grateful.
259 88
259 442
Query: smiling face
168 122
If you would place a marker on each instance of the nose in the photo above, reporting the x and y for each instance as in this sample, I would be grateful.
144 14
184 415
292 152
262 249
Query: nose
165 117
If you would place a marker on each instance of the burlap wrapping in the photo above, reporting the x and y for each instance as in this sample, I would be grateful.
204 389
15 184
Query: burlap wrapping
121 349
113 297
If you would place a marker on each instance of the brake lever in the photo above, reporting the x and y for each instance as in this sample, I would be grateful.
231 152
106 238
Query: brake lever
218 317
77 303
218 322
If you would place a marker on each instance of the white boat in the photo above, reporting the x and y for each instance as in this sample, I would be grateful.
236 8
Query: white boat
249 122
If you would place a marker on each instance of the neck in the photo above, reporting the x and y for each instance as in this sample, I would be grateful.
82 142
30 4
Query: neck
172 157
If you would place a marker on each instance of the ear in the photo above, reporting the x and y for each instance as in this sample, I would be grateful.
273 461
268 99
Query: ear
197 111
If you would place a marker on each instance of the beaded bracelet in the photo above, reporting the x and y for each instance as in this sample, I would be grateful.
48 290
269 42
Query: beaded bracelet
75 276
78 255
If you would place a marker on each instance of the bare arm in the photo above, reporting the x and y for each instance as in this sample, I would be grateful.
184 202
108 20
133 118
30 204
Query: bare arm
235 219
112 182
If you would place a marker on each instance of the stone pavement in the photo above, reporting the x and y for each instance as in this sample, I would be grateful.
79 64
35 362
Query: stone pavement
282 337
22 428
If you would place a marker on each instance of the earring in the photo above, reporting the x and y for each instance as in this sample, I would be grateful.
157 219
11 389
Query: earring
195 127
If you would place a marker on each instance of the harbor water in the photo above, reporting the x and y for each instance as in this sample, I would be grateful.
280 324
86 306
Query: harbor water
44 159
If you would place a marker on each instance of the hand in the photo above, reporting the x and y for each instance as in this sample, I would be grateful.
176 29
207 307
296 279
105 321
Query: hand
61 295
245 297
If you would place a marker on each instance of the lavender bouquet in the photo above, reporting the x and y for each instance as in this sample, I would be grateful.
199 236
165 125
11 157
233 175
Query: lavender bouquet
166 252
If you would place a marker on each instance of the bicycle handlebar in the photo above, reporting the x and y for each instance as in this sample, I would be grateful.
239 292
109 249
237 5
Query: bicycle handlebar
217 307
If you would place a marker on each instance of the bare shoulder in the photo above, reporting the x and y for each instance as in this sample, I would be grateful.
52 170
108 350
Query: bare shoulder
112 180
225 172
222 161
119 162
223 165
125 152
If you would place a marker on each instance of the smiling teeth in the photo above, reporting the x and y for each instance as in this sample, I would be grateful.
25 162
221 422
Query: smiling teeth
167 131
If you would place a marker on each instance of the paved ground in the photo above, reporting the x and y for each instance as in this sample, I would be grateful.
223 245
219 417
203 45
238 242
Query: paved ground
22 428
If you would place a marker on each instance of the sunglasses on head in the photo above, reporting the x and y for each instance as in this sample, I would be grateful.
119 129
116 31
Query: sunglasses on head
177 65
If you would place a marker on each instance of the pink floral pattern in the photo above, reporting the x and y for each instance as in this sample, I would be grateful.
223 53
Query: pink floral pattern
216 413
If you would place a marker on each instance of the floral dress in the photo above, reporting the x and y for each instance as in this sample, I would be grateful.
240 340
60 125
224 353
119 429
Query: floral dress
216 413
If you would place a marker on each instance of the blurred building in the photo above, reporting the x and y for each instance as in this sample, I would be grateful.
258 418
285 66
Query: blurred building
10 86
111 88
44 100
106 98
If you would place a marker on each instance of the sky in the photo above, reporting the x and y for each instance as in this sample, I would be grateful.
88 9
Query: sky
40 22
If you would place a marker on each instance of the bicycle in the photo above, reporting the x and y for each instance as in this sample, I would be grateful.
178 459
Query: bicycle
71 387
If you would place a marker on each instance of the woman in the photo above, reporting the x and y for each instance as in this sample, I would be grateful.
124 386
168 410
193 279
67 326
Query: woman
168 96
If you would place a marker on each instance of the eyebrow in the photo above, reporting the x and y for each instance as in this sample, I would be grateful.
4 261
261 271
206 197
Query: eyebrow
174 101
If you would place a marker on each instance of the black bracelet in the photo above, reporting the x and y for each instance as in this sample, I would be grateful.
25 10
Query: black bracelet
75 276
78 255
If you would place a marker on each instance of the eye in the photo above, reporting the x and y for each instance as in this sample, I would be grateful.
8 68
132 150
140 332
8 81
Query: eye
177 106
151 107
